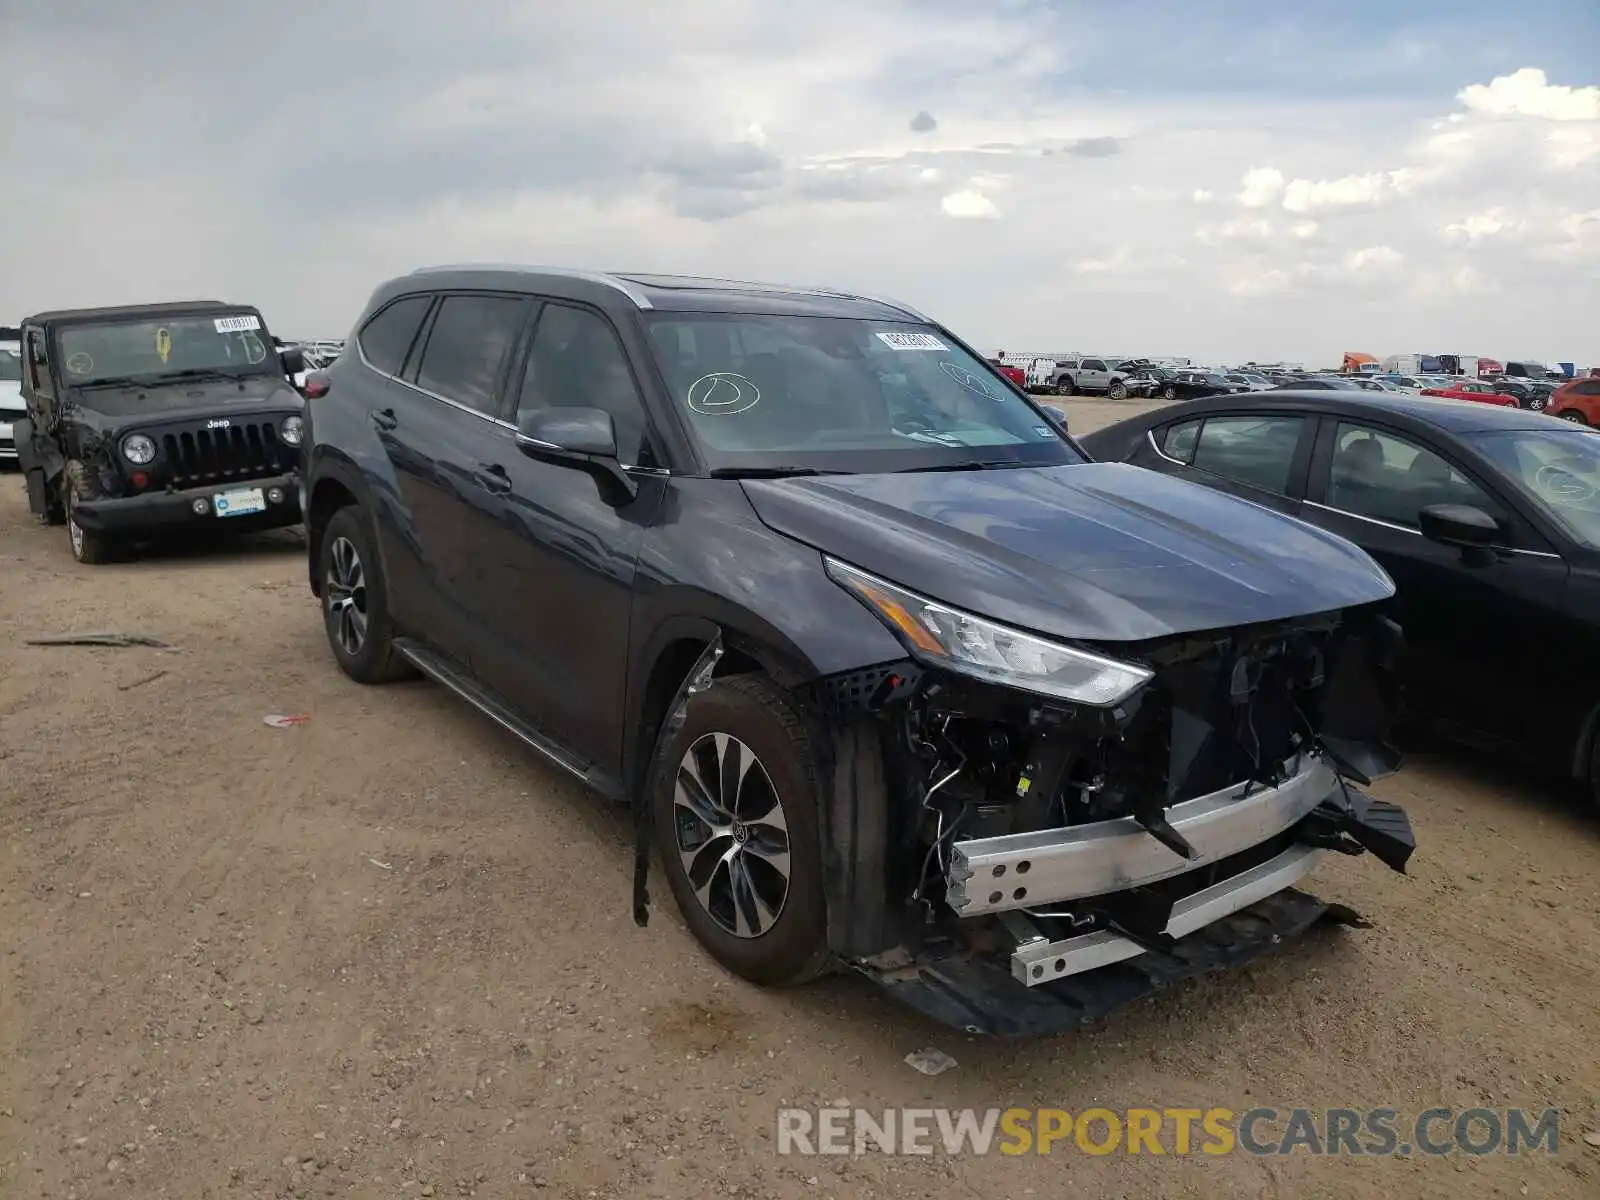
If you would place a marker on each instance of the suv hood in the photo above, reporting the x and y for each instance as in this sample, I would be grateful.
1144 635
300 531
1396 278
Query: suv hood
1097 551
196 397
11 397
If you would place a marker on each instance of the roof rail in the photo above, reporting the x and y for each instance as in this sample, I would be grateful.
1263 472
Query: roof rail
638 297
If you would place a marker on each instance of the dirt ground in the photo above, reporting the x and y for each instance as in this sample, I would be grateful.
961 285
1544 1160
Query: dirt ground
388 953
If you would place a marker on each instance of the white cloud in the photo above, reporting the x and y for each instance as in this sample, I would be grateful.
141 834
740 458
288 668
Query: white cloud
1373 259
1480 226
1305 229
1527 93
1201 196
1570 148
968 203
1260 187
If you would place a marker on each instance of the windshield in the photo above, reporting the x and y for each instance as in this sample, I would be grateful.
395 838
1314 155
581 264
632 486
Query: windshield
1558 468
10 367
234 343
838 394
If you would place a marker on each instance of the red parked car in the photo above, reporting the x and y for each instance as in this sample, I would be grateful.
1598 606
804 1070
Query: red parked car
1467 389
1577 401
1015 374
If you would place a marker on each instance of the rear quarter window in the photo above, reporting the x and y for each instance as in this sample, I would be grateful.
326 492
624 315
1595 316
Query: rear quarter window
386 339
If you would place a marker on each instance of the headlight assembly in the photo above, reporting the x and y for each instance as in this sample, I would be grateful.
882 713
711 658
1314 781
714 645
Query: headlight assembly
988 650
292 430
139 449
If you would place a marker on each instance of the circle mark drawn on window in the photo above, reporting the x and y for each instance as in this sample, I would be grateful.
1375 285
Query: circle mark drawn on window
80 363
723 394
1562 486
969 381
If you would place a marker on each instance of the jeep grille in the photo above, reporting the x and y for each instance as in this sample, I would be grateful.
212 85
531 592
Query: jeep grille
250 450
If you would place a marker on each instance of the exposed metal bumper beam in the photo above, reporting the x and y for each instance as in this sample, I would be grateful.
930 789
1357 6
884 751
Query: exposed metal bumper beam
1049 866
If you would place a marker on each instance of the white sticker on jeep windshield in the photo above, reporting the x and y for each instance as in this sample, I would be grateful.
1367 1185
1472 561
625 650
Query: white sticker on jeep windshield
237 324
911 341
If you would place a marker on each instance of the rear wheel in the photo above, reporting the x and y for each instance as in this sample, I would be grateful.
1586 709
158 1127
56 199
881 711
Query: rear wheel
355 601
736 804
88 545
1065 388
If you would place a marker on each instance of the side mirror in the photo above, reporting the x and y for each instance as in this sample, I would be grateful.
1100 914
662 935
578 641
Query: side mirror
1471 529
293 360
1057 417
585 438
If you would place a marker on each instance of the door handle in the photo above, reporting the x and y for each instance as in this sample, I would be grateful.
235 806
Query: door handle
384 419
492 477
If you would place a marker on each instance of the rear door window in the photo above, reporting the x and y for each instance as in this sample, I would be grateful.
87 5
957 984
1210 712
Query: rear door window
467 349
1259 451
386 339
1383 477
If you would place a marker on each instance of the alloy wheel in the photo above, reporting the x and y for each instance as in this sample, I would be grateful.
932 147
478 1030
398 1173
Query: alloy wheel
731 835
346 587
74 530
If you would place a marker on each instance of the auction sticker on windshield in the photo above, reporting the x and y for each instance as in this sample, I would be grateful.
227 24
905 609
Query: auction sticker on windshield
237 324
911 341
239 502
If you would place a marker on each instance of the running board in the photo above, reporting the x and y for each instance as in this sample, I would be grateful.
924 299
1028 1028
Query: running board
442 669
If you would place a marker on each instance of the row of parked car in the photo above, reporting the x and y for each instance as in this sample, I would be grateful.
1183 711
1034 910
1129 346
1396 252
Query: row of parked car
891 674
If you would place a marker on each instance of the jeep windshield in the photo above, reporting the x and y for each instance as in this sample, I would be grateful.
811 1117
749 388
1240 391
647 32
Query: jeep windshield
149 349
774 394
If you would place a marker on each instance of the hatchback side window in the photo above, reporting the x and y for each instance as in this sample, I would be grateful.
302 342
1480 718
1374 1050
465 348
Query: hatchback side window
577 361
386 339
1246 449
1387 478
467 348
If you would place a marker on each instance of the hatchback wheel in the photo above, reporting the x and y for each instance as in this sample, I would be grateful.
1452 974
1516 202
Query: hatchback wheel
355 604
1574 416
735 796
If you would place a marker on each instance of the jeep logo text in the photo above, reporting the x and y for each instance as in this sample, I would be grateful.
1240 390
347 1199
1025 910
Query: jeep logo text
219 423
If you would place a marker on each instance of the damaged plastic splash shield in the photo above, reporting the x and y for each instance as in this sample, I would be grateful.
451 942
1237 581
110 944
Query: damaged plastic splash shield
1049 866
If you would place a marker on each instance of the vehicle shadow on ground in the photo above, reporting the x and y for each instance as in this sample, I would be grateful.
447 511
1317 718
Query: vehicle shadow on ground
1470 772
216 549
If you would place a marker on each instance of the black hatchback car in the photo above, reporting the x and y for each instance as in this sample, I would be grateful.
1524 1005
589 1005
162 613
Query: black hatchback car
1487 517
891 675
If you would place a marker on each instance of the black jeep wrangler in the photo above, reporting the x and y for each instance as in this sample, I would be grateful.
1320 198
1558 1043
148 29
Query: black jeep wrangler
153 417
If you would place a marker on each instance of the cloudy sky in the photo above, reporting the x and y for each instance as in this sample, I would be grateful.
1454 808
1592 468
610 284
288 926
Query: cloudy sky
1225 180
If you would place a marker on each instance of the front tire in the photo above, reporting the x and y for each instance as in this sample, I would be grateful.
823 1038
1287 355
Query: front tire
355 601
1169 392
89 546
1119 391
735 802
1574 416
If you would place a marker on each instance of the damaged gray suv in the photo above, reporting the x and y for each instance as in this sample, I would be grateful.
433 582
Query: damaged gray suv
891 675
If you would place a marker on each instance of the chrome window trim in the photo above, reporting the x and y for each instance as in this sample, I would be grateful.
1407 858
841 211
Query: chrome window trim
1150 434
1418 533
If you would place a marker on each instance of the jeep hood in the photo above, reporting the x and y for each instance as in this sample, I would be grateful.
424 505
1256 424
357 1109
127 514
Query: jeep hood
199 397
1097 551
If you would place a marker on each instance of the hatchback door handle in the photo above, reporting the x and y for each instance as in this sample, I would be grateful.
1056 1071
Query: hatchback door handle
492 477
384 419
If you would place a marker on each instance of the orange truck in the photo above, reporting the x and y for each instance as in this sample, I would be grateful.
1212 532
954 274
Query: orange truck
1356 363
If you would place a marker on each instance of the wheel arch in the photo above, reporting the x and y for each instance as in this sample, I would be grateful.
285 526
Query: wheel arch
335 485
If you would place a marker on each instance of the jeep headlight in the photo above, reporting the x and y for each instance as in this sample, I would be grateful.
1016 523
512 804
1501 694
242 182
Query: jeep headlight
139 449
293 430
988 650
